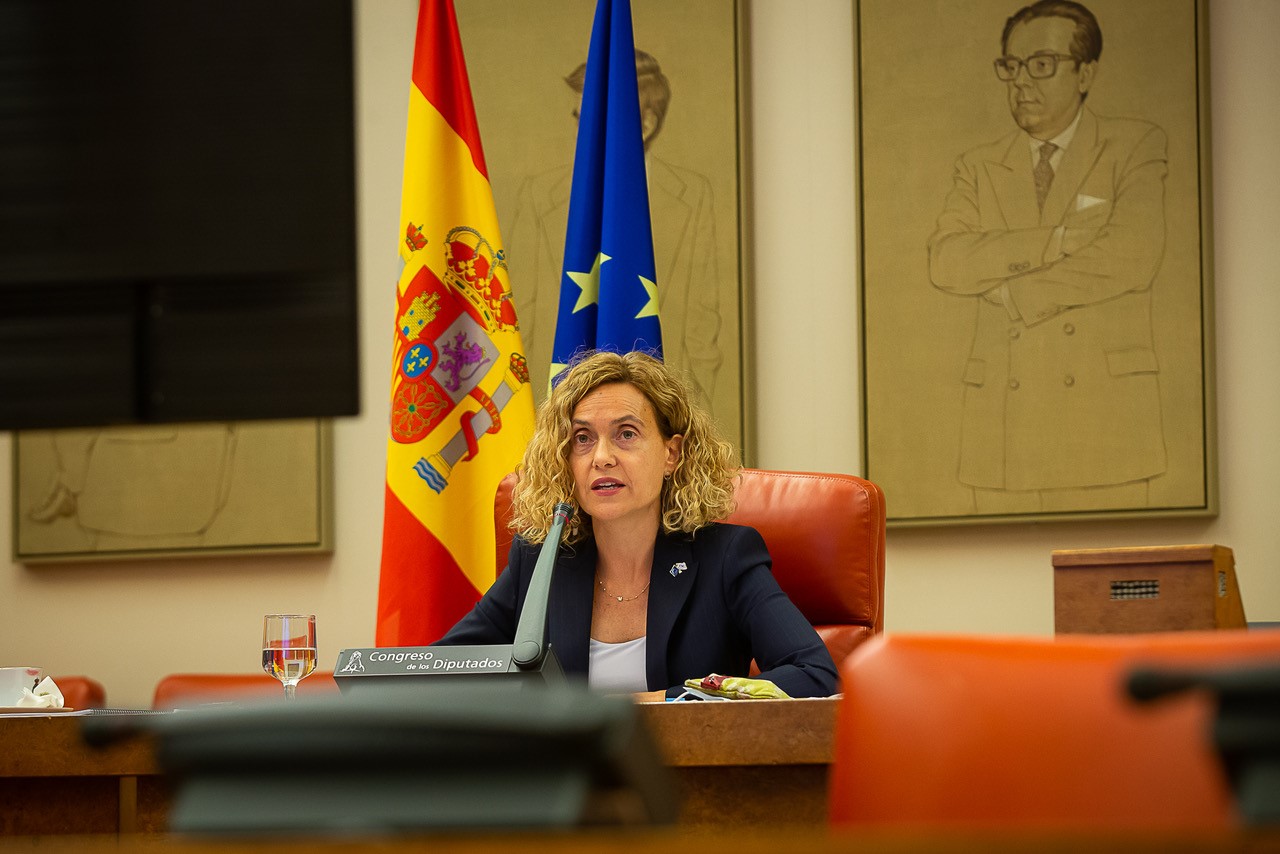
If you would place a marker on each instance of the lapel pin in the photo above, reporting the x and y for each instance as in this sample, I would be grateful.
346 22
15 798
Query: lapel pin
677 568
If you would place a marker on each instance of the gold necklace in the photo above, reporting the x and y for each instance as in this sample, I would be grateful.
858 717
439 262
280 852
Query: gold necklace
624 598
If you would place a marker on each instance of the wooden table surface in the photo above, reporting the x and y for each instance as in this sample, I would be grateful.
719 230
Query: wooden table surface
748 763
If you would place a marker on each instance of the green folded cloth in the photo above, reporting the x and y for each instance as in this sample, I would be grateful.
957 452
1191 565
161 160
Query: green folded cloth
738 687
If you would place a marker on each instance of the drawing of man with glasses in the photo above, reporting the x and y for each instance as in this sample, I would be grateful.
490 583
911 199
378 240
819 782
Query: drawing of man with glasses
1056 232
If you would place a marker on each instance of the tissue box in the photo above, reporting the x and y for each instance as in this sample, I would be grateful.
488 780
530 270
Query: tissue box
1145 589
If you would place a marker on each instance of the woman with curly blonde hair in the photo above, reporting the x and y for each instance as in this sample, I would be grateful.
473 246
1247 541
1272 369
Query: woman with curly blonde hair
649 589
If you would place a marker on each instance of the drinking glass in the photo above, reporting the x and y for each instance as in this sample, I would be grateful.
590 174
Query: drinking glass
289 648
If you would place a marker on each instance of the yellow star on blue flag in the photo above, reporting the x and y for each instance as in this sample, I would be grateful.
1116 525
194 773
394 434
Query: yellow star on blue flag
589 283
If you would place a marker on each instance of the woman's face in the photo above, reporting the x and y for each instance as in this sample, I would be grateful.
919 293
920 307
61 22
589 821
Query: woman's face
619 456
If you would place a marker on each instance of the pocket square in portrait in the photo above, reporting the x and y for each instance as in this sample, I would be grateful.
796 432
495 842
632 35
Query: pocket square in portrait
1084 202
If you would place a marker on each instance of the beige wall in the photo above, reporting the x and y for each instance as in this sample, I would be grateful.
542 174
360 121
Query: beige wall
129 623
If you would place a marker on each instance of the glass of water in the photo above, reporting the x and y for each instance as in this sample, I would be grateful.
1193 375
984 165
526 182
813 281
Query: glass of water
289 648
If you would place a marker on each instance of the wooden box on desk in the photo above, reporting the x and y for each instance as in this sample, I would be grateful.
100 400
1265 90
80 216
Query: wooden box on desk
1145 589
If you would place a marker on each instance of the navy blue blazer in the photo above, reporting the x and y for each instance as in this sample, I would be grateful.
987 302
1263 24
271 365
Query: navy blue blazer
714 615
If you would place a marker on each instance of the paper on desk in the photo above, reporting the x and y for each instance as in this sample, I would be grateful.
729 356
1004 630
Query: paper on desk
46 695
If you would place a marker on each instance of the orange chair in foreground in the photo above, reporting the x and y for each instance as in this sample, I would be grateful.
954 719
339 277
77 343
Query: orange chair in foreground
185 690
948 733
825 533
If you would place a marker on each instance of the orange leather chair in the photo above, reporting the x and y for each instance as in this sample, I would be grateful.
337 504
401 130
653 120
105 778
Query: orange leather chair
825 533
964 733
185 690
81 692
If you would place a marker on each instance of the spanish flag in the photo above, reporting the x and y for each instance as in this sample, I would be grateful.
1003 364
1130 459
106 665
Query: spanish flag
461 404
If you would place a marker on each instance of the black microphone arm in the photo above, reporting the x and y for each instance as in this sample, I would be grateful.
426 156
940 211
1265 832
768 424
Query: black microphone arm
530 643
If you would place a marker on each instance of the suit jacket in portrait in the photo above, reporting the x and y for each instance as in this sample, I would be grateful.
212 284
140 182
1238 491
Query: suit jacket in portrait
1061 386
713 606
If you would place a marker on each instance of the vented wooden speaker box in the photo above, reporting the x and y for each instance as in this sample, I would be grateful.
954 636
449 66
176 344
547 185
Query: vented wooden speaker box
1145 589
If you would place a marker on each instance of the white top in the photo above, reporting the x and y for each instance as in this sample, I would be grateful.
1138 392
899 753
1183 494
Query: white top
617 668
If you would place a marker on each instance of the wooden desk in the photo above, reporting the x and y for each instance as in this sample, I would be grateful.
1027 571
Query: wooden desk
52 782
752 762
667 841
755 763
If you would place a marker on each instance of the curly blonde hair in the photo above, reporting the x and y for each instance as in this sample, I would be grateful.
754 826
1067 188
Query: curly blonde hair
700 489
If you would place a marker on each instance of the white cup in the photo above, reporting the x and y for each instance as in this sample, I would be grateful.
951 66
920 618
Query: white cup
14 679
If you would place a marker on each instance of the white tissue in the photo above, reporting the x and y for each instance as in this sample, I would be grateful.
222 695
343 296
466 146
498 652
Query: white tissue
46 695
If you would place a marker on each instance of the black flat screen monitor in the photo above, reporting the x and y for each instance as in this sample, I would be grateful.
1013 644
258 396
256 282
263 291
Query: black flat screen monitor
177 211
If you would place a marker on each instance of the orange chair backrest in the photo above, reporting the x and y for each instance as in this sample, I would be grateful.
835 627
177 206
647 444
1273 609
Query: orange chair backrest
825 533
81 692
997 732
185 690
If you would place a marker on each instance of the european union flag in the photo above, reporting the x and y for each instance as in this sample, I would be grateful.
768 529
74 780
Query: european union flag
608 290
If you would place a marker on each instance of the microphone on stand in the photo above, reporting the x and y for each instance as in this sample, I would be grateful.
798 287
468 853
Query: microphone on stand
528 659
530 642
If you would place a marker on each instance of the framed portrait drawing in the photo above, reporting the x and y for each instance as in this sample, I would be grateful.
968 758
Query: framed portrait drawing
173 490
525 61
1036 259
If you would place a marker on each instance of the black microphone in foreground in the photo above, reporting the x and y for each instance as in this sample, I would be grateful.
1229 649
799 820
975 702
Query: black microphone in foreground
530 645
1246 725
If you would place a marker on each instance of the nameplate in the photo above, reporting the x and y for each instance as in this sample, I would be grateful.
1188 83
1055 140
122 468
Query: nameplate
423 661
